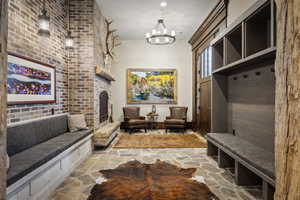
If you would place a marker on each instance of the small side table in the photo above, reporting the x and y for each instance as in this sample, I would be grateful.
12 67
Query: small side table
152 118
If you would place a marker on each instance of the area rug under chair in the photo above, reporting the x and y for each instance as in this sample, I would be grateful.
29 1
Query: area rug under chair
160 141
158 181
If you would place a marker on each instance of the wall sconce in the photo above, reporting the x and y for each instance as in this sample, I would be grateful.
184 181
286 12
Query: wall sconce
44 22
69 41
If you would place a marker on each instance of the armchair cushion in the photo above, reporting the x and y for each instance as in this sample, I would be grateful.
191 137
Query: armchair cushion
136 121
175 122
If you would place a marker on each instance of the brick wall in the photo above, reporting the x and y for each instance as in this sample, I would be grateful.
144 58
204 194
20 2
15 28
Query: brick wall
77 86
24 40
88 29
81 66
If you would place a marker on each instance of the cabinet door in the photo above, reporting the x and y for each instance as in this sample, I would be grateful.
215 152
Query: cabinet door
204 90
204 105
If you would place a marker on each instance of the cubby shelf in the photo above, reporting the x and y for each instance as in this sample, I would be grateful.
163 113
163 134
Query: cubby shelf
254 58
243 78
234 45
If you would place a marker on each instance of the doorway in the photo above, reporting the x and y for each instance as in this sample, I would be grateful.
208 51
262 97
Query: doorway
204 90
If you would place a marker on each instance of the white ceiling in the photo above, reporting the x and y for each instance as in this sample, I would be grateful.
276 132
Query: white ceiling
134 18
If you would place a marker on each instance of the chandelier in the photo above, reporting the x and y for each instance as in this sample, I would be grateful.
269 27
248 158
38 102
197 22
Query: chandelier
160 34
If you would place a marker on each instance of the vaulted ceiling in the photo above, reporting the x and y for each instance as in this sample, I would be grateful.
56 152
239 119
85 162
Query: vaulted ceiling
134 18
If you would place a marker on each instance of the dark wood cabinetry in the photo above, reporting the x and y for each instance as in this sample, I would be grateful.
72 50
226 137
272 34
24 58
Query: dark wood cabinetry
243 78
202 65
243 93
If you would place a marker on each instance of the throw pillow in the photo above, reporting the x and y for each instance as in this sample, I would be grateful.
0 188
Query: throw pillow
77 123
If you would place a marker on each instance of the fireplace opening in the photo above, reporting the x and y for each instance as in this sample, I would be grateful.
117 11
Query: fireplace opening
103 104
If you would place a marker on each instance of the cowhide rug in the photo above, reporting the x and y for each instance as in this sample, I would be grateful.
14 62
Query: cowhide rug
158 181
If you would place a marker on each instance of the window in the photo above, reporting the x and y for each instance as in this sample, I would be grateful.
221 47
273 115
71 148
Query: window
205 62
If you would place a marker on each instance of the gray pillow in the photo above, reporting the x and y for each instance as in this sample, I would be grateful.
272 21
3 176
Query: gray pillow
77 122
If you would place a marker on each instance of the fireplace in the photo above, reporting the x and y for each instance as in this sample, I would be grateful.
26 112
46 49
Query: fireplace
103 106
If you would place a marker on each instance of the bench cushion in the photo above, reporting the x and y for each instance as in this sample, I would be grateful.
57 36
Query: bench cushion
261 159
27 161
24 135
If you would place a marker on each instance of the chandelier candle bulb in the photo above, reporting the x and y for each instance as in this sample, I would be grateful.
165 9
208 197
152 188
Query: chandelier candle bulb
173 33
163 4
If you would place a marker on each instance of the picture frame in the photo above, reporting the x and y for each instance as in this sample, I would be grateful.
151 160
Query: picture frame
151 86
30 81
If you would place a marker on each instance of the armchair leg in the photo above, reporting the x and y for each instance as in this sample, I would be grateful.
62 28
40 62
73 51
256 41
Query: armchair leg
145 130
166 130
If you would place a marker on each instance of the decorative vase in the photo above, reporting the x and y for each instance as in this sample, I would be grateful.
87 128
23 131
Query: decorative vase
153 109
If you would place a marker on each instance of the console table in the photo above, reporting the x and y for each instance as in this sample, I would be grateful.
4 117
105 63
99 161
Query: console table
152 118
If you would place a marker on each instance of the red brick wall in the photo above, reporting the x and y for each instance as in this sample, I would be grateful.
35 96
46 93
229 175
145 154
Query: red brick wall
77 87
24 40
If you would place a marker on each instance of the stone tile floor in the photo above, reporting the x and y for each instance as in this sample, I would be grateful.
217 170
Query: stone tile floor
220 181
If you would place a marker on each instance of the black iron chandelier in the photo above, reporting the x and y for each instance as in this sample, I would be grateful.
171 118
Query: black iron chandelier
160 34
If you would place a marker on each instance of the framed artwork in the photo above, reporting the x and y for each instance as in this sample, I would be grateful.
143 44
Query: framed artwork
29 81
151 86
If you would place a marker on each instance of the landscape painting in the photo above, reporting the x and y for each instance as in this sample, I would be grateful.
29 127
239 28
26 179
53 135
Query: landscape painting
29 81
152 86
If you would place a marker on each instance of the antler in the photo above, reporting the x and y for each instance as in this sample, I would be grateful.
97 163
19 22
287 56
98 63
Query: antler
108 34
114 38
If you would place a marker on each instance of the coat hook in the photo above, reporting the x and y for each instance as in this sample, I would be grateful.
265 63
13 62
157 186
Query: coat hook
235 78
245 76
272 69
257 73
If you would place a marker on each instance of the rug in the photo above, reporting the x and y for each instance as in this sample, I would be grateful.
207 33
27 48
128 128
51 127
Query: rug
158 181
160 141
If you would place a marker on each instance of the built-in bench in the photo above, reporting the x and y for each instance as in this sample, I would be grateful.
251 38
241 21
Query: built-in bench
42 153
105 135
252 165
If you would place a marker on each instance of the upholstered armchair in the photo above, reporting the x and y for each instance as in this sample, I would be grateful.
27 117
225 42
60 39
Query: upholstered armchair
177 118
133 120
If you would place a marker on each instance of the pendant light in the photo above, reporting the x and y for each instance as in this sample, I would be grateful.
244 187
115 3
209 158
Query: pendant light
160 34
69 42
44 22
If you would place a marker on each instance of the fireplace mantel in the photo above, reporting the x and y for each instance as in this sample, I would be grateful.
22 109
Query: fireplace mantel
103 74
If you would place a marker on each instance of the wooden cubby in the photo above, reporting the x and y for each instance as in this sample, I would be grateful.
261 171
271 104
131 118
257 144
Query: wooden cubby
218 54
258 30
243 88
234 45
250 39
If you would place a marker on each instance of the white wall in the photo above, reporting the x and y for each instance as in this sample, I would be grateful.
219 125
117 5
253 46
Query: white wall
237 7
139 54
